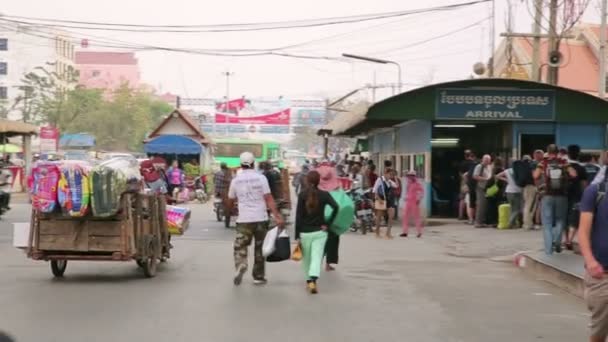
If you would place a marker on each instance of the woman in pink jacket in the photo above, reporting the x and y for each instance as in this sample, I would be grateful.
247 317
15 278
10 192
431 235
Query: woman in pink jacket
413 196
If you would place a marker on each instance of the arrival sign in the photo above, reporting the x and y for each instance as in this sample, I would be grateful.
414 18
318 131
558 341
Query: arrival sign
495 104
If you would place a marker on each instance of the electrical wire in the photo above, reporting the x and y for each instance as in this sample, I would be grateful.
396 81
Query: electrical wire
262 26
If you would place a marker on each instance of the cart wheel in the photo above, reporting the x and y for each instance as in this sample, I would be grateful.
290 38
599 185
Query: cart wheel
58 267
150 262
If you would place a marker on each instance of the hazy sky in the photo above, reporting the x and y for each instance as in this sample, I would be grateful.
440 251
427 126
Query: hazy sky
192 75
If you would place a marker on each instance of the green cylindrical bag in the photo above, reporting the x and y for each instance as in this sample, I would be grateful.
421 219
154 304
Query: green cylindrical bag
346 212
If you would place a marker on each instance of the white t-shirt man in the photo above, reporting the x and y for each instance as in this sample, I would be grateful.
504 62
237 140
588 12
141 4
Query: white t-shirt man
249 188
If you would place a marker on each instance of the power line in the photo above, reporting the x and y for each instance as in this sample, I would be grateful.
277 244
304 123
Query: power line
279 25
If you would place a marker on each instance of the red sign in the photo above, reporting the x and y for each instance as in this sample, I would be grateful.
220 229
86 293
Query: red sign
280 118
49 139
233 106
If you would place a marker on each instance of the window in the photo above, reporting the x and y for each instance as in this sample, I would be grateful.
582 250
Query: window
95 73
405 164
3 93
419 165
3 68
3 44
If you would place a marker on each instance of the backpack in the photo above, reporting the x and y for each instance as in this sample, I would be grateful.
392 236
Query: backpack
556 178
471 182
522 173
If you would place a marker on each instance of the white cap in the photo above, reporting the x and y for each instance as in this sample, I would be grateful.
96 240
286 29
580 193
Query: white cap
247 159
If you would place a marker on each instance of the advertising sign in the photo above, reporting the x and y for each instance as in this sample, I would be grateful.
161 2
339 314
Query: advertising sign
280 118
495 105
306 117
49 139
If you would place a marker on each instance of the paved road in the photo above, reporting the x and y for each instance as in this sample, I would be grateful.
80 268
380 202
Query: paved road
440 288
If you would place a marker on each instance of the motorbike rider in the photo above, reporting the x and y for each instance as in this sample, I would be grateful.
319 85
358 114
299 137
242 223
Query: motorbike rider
274 181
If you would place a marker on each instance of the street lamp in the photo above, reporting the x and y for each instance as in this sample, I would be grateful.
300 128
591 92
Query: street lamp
380 61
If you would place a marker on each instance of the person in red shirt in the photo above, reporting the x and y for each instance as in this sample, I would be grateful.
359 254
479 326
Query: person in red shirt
372 174
151 170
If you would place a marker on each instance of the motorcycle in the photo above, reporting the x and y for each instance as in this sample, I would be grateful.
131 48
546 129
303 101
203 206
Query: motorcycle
196 187
364 214
220 215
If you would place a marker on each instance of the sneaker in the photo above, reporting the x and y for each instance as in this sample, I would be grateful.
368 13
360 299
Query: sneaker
312 287
238 277
261 281
557 247
419 236
403 235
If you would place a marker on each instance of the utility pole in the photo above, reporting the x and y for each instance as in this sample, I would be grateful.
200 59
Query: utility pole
538 16
492 38
553 41
602 84
227 74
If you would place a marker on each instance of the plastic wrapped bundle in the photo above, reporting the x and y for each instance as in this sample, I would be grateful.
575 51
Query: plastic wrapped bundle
109 180
178 219
45 176
74 193
346 212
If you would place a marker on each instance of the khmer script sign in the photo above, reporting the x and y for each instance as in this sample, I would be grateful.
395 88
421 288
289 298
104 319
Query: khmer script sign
494 104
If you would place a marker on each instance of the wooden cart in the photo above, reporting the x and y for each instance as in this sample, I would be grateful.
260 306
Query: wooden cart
137 232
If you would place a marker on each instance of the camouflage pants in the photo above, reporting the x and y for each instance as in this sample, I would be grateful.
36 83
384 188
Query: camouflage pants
245 232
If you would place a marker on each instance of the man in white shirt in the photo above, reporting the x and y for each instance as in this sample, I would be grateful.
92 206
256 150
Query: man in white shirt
482 174
252 193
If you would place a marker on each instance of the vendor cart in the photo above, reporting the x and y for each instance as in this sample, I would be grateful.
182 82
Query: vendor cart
137 232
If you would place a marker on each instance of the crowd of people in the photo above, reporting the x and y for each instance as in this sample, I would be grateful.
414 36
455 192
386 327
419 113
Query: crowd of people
543 190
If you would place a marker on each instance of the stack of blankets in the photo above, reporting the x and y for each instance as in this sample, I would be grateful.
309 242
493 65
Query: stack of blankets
78 188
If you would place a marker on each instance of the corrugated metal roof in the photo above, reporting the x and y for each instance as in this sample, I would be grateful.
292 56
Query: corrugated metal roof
345 120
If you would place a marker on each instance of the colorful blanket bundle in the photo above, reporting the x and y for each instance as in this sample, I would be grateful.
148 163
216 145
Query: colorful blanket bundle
74 193
109 180
178 219
45 176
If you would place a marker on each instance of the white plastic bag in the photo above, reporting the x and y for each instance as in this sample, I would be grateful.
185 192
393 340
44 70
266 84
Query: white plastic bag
269 242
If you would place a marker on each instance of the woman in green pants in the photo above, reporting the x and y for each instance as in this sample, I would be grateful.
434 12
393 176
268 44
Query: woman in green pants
311 227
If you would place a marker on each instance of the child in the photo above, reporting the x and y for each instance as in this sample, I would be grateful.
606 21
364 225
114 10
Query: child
414 194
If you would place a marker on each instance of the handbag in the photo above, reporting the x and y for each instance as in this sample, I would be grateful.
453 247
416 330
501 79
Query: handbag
380 204
296 255
269 245
282 250
492 191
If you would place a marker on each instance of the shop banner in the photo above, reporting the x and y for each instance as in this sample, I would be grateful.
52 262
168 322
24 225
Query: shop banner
280 118
49 139
306 117
495 105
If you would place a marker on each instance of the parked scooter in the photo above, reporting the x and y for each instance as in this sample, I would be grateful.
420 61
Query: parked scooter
364 214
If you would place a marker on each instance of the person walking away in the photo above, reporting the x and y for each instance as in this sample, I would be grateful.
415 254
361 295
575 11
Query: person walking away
274 181
152 177
329 182
514 193
482 174
553 174
221 183
413 196
576 186
464 190
593 240
176 179
252 192
397 190
471 183
496 199
312 227
523 178
385 201
539 156
299 180
372 176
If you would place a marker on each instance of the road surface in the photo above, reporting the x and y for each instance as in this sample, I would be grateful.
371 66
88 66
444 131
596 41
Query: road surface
443 287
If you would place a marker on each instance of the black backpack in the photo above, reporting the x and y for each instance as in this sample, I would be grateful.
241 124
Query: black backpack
522 173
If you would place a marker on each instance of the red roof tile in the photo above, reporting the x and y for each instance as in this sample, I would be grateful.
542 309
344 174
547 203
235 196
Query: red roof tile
105 58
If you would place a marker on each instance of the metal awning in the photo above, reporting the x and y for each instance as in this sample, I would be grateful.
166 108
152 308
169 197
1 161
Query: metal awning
12 128
345 120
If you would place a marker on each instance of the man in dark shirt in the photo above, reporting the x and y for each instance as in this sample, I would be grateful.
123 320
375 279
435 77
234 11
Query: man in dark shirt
593 239
576 185
274 181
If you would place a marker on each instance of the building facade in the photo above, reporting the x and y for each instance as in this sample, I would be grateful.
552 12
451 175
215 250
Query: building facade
107 70
23 48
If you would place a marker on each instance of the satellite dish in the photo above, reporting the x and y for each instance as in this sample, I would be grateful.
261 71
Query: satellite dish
555 59
479 68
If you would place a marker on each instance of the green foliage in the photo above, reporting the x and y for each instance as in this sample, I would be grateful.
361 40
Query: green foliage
119 120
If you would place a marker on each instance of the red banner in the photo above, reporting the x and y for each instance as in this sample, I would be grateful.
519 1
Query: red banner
49 139
233 106
280 118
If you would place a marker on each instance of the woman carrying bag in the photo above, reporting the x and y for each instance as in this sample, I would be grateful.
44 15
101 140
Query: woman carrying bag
311 227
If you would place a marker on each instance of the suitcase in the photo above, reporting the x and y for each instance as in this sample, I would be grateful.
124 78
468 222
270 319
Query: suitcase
504 212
